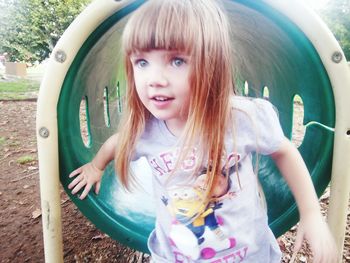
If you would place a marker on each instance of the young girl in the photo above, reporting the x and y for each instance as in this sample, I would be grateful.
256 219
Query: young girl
198 137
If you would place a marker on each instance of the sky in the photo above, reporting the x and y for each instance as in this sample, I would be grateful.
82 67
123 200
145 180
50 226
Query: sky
316 4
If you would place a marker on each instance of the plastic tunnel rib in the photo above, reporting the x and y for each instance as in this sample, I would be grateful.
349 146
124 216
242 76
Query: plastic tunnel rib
270 50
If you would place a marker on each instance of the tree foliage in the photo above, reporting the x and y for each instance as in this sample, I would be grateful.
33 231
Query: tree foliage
29 29
337 15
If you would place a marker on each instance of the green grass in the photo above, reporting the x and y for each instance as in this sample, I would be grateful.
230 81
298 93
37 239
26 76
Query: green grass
18 89
13 144
26 159
2 141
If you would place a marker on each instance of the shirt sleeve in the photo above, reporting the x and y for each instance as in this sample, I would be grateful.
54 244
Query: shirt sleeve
258 125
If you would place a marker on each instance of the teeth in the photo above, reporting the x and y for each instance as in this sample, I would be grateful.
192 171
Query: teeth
161 98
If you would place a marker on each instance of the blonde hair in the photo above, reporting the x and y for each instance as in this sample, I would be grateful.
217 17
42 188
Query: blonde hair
200 28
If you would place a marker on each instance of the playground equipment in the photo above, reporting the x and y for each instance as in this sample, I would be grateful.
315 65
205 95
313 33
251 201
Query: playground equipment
280 46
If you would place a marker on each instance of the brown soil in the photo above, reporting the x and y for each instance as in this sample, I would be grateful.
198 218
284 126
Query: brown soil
20 216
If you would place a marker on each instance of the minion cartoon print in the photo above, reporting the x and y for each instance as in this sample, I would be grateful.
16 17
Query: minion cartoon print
195 229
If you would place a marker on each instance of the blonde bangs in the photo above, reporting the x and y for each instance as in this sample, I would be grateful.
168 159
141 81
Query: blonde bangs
161 24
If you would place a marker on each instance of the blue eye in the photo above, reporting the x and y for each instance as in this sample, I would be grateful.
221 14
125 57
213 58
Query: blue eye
141 63
177 62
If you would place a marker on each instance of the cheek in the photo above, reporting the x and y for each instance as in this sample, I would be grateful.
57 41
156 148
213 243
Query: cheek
139 76
139 87
183 87
186 98
141 94
181 81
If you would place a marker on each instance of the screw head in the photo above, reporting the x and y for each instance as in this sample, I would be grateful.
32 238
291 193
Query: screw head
60 56
44 132
337 57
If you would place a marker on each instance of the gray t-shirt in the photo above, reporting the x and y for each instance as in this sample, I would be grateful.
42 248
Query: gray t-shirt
232 227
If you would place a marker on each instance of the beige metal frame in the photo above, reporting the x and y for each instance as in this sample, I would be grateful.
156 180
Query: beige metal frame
46 121
339 73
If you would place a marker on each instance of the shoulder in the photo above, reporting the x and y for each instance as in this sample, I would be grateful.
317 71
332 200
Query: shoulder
249 104
256 120
253 108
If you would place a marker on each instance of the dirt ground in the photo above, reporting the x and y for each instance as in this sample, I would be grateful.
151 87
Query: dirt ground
20 215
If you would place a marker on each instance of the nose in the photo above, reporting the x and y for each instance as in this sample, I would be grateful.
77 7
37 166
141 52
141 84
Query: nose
157 79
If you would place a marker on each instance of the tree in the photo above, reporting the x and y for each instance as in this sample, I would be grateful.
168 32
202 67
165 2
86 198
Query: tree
29 29
337 15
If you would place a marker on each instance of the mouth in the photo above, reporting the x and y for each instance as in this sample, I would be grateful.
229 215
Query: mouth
161 98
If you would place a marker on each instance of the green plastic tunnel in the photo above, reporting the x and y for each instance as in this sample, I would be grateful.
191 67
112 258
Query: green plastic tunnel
279 46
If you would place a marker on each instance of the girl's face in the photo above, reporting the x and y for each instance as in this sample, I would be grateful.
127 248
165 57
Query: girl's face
162 83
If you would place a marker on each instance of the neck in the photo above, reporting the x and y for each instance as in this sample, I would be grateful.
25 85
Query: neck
176 127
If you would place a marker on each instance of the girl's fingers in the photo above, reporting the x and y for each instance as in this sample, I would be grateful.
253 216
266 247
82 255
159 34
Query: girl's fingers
85 178
80 185
324 253
85 192
316 258
75 172
298 241
75 182
97 187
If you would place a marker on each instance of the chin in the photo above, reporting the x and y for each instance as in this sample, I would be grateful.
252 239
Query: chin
162 117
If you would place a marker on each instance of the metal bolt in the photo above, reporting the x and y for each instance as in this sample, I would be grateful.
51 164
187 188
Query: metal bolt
337 57
60 56
44 132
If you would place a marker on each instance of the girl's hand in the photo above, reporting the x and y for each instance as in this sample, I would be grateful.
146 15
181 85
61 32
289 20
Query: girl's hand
86 176
315 230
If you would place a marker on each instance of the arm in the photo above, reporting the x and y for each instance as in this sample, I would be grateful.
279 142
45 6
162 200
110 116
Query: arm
311 226
91 173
